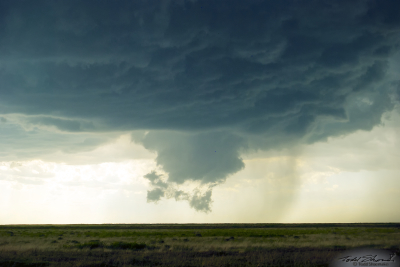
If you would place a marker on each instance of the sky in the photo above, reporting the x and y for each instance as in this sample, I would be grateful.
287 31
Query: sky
198 111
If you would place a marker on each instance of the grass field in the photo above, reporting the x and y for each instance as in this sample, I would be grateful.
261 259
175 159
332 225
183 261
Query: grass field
189 244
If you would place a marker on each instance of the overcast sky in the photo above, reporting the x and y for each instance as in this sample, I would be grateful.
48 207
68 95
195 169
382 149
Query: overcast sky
199 111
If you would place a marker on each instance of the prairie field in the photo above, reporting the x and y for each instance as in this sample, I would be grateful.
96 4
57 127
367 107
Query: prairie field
189 244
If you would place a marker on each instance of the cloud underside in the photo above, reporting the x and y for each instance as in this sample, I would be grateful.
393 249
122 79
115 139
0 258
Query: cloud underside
208 80
200 200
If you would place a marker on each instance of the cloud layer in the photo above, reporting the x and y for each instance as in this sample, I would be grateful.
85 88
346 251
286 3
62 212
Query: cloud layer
209 80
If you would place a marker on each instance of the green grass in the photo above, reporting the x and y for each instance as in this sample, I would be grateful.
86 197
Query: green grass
163 233
188 245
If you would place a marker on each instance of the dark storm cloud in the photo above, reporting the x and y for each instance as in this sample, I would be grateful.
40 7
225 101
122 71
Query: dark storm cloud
61 124
209 79
22 139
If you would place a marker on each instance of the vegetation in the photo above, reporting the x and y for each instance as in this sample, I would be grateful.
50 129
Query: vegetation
189 244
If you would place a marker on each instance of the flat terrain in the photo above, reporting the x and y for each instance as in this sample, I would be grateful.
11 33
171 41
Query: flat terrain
189 244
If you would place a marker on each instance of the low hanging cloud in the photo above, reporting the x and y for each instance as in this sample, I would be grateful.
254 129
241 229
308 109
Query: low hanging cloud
208 80
204 157
200 201
208 158
155 195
